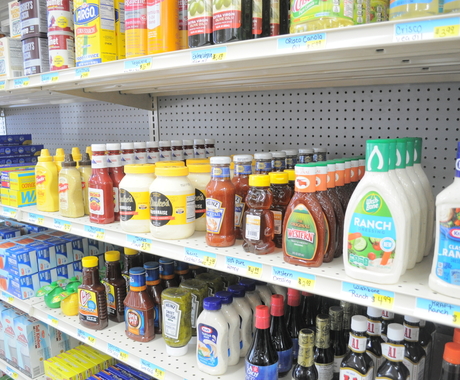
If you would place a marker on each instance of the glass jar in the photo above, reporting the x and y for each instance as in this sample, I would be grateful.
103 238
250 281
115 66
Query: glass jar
165 150
305 156
263 163
278 161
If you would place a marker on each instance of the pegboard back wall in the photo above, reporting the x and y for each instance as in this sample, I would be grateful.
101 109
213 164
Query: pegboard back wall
340 119
80 124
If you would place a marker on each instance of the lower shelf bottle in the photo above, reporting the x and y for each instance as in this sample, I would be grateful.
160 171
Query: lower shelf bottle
324 353
374 340
305 368
450 369
338 341
261 360
280 335
414 355
115 286
393 367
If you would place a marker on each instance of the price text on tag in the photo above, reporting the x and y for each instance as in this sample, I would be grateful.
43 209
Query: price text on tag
117 353
53 320
293 279
82 73
302 43
152 370
436 311
446 31
9 212
209 55
62 225
138 65
2 85
36 219
95 232
139 243
368 295
21 82
86 338
202 258
7 298
49 78
11 373
243 267
426 29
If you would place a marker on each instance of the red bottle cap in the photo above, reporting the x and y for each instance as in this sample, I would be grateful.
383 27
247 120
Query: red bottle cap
277 305
262 317
452 353
306 294
293 297
457 335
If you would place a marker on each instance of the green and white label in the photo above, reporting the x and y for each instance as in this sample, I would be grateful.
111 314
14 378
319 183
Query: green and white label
301 237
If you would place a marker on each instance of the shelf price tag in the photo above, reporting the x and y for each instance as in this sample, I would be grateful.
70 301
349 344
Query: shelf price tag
196 257
49 78
436 311
244 268
21 82
9 212
11 373
117 353
2 85
140 64
381 299
62 225
53 321
36 219
293 279
152 370
82 73
95 232
8 298
139 243
426 29
312 41
209 55
86 338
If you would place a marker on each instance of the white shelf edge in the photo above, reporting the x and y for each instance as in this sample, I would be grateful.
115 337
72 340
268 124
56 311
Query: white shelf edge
15 373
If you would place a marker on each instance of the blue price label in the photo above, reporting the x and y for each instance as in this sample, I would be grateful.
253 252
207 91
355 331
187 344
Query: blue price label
21 82
140 64
95 232
86 338
62 225
152 370
209 55
293 279
36 219
302 42
117 352
139 243
9 212
368 295
82 72
426 29
49 78
202 258
244 268
2 85
437 311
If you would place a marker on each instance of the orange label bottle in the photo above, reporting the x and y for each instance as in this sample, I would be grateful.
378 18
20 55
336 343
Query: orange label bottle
135 28
163 26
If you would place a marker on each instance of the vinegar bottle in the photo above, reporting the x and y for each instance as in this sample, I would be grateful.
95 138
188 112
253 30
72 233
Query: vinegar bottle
324 352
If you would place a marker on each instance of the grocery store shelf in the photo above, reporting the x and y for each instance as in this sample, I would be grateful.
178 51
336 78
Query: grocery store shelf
412 51
14 373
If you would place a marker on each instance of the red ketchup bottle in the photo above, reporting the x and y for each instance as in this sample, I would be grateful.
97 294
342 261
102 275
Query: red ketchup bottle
116 173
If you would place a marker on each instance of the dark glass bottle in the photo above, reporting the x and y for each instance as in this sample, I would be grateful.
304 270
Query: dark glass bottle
199 24
280 335
261 360
338 341
387 319
347 309
195 270
154 289
182 271
260 18
131 259
324 353
393 367
450 369
374 340
294 319
305 368
414 355
357 361
167 276
282 194
284 6
115 286
309 309
426 342
235 29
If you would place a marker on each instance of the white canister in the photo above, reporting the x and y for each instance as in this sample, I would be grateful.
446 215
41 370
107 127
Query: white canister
200 175
172 204
134 197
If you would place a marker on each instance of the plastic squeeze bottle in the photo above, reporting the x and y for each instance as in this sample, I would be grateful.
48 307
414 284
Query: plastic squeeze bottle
85 174
70 190
233 321
46 179
59 157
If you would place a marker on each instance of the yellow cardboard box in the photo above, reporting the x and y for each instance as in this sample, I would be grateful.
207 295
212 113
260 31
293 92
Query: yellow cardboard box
22 180
21 198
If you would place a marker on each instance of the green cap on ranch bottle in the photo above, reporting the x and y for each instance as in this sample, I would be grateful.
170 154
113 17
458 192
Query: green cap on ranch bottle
377 156
418 150
391 154
401 153
409 151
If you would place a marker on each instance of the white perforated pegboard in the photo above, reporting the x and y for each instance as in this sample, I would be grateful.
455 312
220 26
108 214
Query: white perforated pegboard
80 124
341 119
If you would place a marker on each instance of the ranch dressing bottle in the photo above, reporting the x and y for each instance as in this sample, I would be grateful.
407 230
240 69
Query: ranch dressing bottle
374 217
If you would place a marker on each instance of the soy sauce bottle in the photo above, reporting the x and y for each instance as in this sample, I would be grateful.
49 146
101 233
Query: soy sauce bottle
324 353
261 360
280 335
309 309
374 340
426 341
338 341
357 364
393 367
295 322
235 29
414 356
305 368
450 369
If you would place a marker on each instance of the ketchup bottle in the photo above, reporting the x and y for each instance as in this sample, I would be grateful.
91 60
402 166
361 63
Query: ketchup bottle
101 205
116 174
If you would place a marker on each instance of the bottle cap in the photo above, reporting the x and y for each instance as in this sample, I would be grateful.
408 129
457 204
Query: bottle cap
456 337
262 156
164 143
225 297
243 158
359 323
139 169
180 266
249 285
113 146
89 151
166 267
199 168
166 164
320 150
237 290
130 251
291 174
127 146
306 338
139 145
171 171
112 256
373 312
291 152
280 154
259 180
98 148
85 160
68 161
262 317
293 297
411 319
279 178
418 142
136 271
377 154
212 303
209 141
187 142
220 160
193 161
395 332
176 143
76 154
452 353
306 294
89 261
177 351
45 156
198 142
306 151
60 154
151 144
152 270
277 305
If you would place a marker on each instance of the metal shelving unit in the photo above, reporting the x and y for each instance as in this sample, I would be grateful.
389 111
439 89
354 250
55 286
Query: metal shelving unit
15 374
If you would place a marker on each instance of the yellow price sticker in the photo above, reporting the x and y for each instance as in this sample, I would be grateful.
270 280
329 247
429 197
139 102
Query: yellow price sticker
2 86
382 301
145 66
40 221
254 271
100 235
67 227
159 374
91 339
316 44
54 79
146 246
10 299
11 373
54 321
219 56
209 261
84 75
124 356
306 283
446 31
25 83
456 318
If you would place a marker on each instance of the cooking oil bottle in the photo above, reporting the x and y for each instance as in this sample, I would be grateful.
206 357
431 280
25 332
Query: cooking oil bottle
406 9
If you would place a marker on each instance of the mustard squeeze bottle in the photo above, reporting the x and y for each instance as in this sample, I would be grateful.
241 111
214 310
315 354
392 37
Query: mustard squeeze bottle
46 178
58 158
76 154
70 190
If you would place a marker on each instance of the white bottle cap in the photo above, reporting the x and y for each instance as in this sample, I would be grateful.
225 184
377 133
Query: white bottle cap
422 323
395 332
220 160
113 146
127 146
242 158
410 319
176 142
278 154
262 156
209 141
198 142
165 143
187 142
306 151
320 150
151 144
374 312
177 351
139 145
291 152
359 323
98 147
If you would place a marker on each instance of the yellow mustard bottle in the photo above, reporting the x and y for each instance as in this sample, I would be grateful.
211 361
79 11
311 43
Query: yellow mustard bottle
70 191
59 157
89 151
76 154
85 173
46 178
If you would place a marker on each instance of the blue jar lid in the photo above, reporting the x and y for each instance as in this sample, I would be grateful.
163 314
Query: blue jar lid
166 267
237 290
180 265
137 277
152 269
212 303
225 296
248 284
